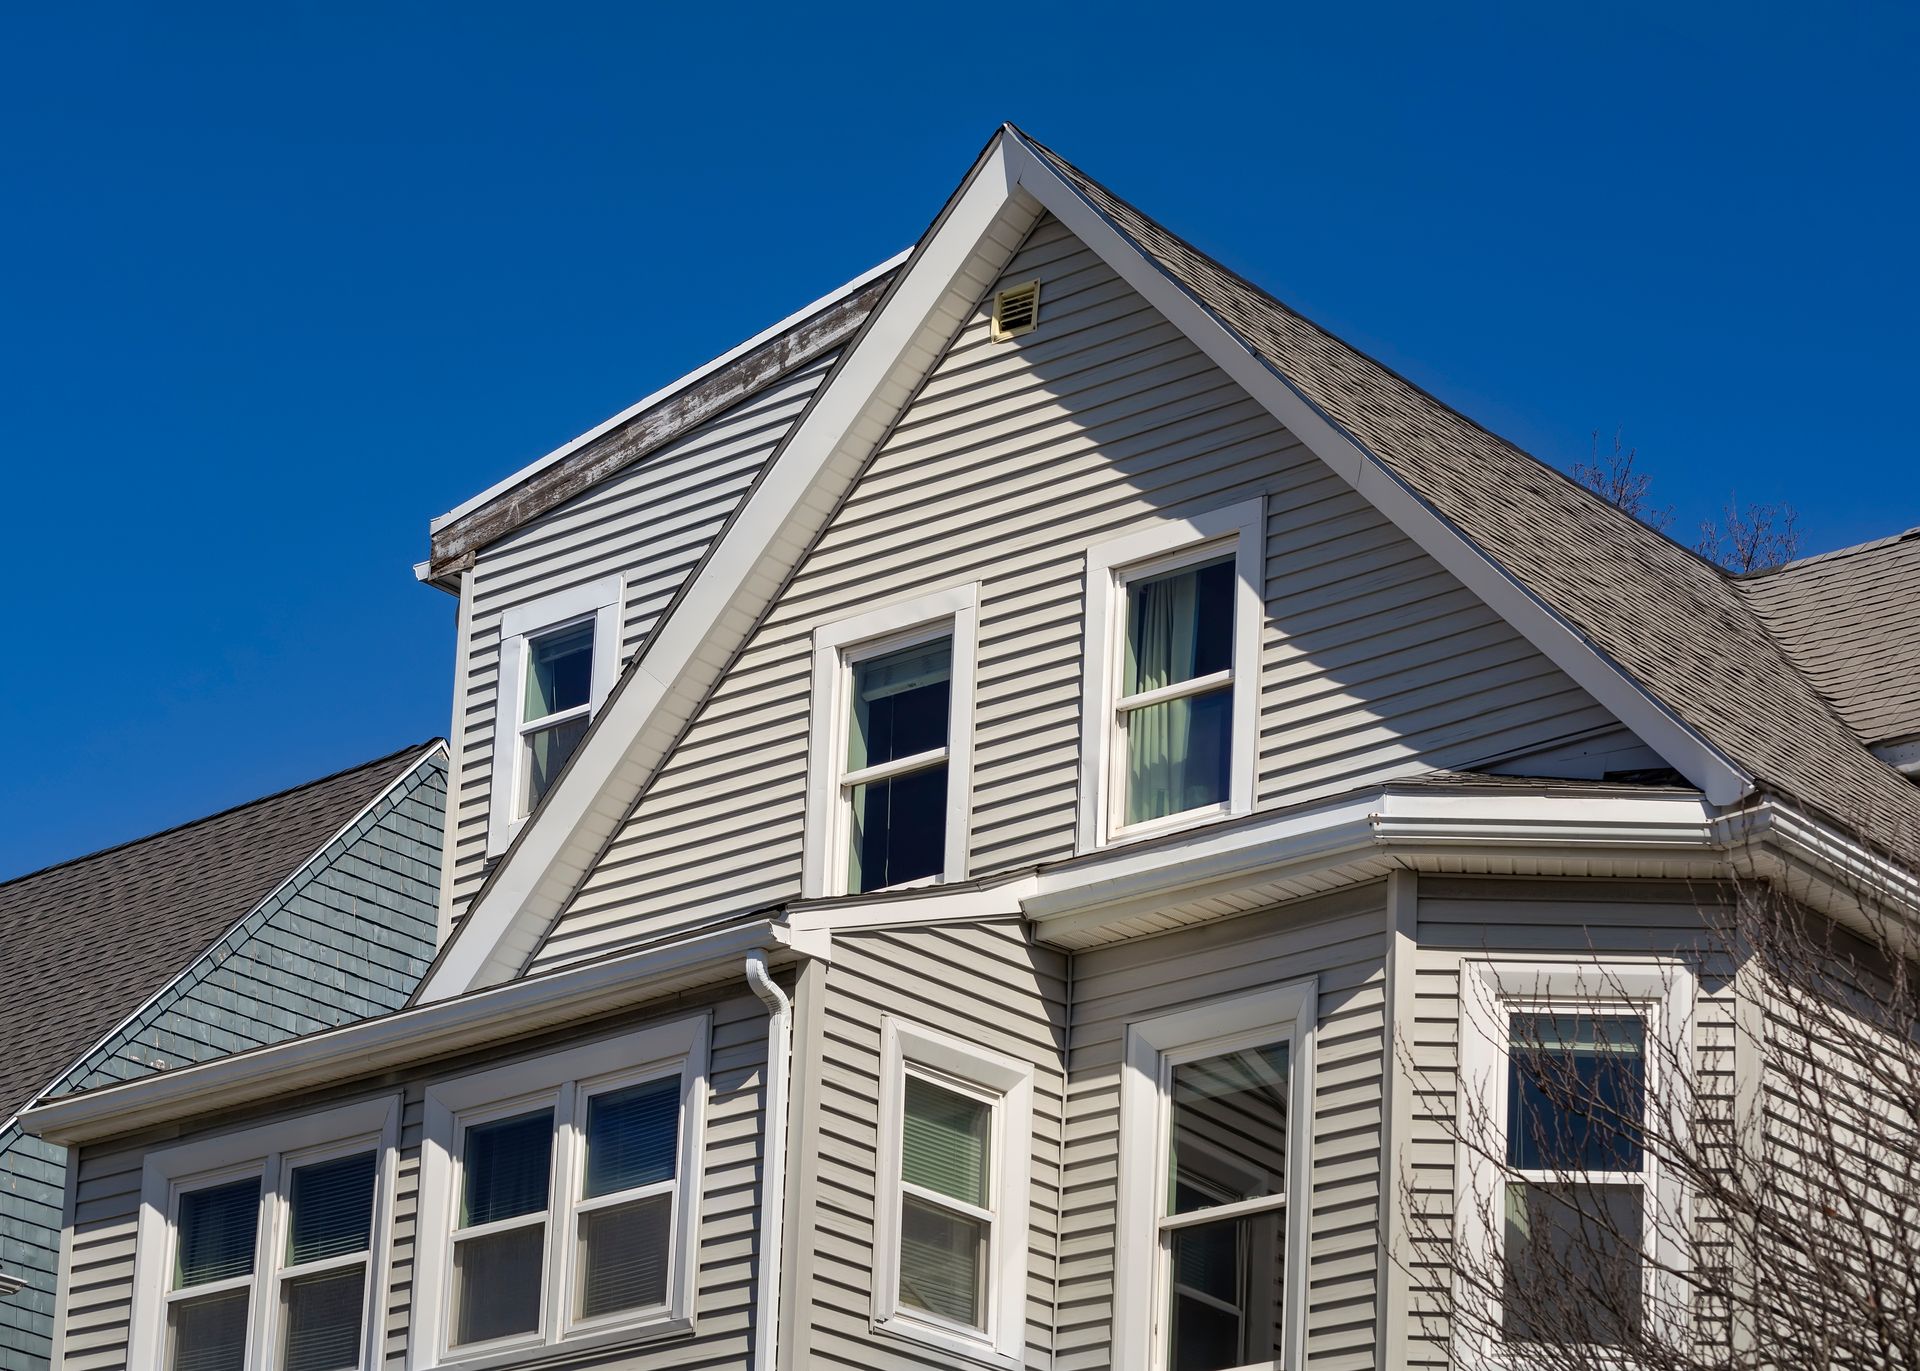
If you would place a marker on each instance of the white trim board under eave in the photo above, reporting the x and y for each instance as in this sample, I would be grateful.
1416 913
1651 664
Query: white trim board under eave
810 474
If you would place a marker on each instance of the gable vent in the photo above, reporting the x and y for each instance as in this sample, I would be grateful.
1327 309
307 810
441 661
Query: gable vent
1015 311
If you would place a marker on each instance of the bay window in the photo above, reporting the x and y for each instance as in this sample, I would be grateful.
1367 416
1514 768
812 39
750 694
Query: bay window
890 747
1210 1273
1173 619
954 1166
559 1197
556 665
263 1250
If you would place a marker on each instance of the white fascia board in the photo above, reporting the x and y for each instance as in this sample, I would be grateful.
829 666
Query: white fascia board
561 453
1364 829
438 745
1826 869
965 903
1700 762
400 1039
718 609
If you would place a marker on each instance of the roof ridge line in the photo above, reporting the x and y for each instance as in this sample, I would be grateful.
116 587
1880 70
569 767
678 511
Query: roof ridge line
231 809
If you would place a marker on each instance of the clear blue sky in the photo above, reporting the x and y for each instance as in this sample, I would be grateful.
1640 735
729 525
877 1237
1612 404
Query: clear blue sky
284 282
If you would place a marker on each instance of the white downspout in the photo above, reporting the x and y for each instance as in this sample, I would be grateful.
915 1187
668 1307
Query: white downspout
773 1175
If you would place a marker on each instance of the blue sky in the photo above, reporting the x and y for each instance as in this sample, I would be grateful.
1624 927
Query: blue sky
284 282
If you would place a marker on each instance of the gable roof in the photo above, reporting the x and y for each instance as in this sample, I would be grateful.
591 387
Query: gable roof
1654 633
1848 619
85 944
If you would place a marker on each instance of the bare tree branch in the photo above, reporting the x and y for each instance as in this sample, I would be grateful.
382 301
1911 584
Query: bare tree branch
1751 538
1612 477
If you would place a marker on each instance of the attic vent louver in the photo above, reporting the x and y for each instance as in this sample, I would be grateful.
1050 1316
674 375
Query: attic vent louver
1015 311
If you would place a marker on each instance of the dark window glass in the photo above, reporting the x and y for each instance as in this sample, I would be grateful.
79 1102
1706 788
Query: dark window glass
900 704
1573 1271
633 1137
507 1165
1576 1092
559 671
332 1205
899 829
218 1226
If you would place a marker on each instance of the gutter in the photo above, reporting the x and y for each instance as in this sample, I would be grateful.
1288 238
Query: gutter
773 1175
406 1037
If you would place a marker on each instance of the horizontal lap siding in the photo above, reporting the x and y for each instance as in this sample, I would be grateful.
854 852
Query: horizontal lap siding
1341 939
649 524
98 1299
1015 458
985 984
1463 920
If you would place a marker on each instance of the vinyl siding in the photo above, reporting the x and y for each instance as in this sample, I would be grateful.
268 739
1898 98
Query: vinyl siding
1013 459
985 984
1341 939
109 1196
347 937
1464 920
649 524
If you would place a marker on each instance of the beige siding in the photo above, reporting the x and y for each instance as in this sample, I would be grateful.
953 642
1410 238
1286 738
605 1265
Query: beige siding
1462 920
985 984
650 524
1341 939
1009 464
99 1302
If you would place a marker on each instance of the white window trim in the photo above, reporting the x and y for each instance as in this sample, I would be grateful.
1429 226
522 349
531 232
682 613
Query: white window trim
599 601
264 1152
1167 546
836 647
1663 993
1140 1274
1009 1082
563 1080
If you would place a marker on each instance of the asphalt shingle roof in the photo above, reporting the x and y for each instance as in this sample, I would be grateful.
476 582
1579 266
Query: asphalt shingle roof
1851 621
1674 623
86 943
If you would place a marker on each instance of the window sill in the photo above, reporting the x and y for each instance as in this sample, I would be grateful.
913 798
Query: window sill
976 1351
570 1351
1161 828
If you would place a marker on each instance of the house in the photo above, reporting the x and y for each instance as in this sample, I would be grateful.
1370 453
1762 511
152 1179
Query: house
978 823
301 910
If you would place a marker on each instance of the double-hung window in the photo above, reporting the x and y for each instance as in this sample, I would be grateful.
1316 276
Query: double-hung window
559 1197
1565 1203
263 1250
556 667
1214 1154
1172 658
891 745
954 1166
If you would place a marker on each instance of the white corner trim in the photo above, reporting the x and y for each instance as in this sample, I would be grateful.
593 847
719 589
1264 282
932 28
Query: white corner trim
665 685
599 600
563 1081
1010 1081
1104 637
1290 1011
1705 766
950 612
260 1151
694 377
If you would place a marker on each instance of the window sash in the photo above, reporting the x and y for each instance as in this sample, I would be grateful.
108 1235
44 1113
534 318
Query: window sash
1179 690
550 721
886 771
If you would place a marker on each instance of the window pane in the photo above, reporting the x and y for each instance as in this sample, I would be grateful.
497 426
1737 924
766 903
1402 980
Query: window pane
559 671
1228 1292
1179 626
1573 1271
899 704
899 830
1177 754
943 1267
1229 1128
623 1256
208 1334
217 1230
323 1319
943 1147
496 1284
1576 1091
547 751
633 1137
332 1205
507 1164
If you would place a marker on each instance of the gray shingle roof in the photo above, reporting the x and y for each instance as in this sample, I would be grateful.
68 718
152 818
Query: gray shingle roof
1671 621
1851 621
86 943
